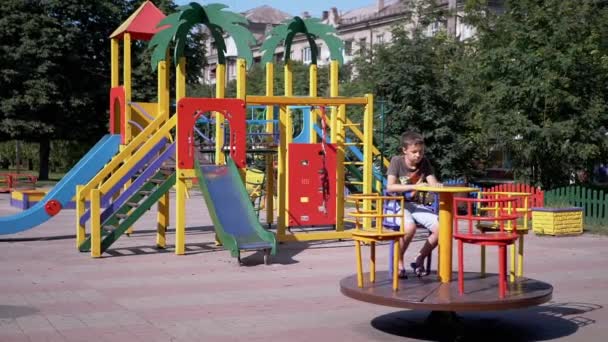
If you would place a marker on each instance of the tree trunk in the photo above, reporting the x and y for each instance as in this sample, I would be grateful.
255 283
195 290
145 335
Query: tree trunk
45 153
452 18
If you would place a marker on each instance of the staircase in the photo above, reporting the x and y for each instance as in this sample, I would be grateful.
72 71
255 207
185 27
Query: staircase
149 182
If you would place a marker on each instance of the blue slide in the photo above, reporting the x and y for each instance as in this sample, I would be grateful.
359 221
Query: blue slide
235 221
64 191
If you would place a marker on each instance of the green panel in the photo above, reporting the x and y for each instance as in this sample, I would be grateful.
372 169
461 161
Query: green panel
138 212
124 209
227 240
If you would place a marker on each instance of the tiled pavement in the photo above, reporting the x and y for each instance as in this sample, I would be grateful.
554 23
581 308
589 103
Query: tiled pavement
51 292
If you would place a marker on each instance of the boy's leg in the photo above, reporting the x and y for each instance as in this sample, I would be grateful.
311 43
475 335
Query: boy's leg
404 242
427 218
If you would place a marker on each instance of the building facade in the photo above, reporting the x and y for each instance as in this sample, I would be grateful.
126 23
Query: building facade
360 29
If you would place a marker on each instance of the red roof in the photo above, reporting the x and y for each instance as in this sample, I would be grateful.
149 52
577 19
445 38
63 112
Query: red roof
142 23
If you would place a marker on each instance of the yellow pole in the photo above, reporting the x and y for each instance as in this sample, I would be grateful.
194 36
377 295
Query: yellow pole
163 89
359 263
368 132
127 84
180 186
269 158
281 195
95 223
372 261
520 255
115 59
445 237
288 126
241 92
162 220
220 92
333 92
313 85
340 156
80 209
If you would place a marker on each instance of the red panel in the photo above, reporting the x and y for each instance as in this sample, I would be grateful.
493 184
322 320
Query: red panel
143 27
312 185
117 94
189 109
142 24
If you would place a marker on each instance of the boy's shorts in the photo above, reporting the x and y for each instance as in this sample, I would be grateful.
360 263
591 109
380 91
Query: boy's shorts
419 214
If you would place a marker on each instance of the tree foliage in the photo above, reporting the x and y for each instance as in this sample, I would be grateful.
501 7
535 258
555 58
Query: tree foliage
532 82
536 85
55 75
414 77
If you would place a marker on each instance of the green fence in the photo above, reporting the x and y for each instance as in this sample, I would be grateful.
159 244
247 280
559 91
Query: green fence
594 202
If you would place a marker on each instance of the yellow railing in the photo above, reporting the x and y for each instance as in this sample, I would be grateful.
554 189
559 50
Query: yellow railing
116 169
142 143
359 134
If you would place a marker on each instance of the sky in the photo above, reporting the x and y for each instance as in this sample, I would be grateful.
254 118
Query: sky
293 7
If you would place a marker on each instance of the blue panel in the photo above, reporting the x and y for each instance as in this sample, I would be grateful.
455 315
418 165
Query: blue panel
64 191
358 154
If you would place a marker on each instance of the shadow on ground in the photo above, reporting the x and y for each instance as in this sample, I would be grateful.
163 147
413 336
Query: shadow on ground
541 323
14 311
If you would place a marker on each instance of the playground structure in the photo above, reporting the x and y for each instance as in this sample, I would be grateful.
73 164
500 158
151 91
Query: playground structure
309 180
134 167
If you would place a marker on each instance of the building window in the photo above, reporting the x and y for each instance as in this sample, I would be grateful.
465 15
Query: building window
362 45
306 55
380 38
434 28
348 47
231 69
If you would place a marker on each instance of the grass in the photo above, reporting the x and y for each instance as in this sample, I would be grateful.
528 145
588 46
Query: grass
54 177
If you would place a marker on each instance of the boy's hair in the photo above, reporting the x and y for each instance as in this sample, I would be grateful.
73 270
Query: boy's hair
411 138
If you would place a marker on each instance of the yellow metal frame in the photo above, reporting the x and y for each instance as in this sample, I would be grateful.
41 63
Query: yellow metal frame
183 175
368 209
285 131
220 92
269 158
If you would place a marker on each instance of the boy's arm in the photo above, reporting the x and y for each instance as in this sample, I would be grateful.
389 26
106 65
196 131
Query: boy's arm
432 180
393 185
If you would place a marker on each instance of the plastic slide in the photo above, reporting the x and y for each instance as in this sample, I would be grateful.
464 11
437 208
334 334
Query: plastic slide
64 191
234 218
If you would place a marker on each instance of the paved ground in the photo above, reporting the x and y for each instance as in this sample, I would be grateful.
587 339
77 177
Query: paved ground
49 291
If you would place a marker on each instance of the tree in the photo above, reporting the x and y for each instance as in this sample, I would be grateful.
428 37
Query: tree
53 55
55 75
535 84
414 75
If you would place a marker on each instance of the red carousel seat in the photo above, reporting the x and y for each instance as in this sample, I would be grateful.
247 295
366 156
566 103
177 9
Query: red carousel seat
503 214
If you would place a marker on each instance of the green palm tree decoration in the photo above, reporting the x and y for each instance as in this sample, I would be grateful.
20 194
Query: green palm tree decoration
312 28
217 21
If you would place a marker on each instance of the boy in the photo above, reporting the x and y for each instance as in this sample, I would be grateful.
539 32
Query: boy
404 172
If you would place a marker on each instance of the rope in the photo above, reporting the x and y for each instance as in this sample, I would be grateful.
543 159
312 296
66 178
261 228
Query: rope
323 174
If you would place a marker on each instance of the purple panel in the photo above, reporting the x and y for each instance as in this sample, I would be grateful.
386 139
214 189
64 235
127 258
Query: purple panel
138 166
138 183
106 198
18 204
